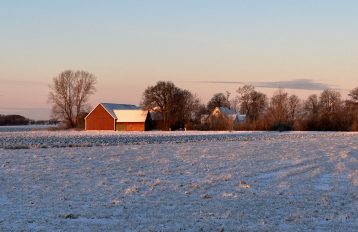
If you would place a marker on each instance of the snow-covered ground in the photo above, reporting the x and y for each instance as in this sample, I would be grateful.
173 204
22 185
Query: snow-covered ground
195 181
50 139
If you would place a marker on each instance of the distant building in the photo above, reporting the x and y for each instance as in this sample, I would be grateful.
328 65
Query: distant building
117 117
223 112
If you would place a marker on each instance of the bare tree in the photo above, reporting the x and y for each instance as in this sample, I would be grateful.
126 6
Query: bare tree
252 103
353 95
331 116
352 108
282 110
219 100
311 105
173 103
183 109
160 98
197 115
293 104
330 101
309 119
69 94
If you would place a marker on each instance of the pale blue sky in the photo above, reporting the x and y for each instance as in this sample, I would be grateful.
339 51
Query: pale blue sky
204 46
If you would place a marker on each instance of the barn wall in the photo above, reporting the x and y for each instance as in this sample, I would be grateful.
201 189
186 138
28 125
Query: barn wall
130 126
99 119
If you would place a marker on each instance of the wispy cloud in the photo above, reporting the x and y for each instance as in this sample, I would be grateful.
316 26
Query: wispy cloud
304 84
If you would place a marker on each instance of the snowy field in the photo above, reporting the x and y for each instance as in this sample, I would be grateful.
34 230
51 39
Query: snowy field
186 181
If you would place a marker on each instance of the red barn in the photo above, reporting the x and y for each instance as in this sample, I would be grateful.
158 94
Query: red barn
117 117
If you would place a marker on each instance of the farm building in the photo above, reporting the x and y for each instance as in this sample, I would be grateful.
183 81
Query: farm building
117 117
228 113
222 113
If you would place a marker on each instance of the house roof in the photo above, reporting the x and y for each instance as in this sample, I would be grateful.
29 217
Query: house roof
111 107
227 111
133 115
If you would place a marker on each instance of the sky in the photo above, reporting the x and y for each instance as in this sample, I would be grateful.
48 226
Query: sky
303 46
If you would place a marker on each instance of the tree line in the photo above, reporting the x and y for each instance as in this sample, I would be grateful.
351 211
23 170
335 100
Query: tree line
324 112
13 119
179 108
17 120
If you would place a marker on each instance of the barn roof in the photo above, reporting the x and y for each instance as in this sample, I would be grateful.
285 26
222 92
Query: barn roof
111 107
134 115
